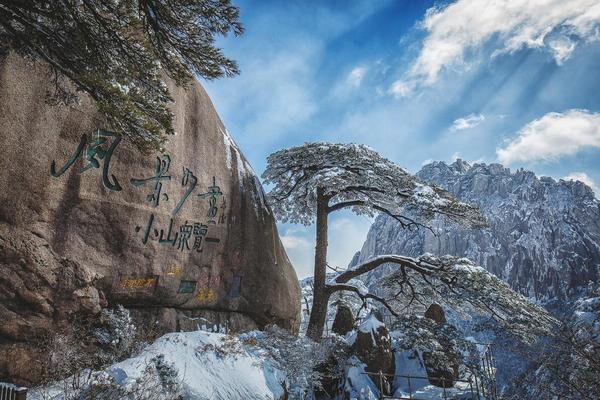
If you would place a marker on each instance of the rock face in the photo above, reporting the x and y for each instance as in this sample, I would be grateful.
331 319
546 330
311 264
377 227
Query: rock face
543 239
344 319
439 374
436 313
373 346
86 222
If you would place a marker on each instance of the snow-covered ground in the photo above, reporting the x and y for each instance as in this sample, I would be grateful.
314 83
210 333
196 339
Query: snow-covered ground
208 366
211 366
274 364
410 363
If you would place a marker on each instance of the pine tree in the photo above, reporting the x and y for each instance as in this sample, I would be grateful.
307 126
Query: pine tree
314 180
119 52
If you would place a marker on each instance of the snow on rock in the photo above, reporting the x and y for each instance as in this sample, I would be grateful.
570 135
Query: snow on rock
370 325
543 237
244 170
228 143
358 385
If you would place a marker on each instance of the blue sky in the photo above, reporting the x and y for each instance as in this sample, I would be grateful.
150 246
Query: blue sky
515 82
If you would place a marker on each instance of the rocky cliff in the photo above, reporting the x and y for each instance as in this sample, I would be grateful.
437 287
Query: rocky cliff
543 236
88 222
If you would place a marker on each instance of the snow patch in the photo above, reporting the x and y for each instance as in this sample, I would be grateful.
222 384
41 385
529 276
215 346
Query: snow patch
358 384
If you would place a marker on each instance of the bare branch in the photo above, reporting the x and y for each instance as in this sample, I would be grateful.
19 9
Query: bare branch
415 264
339 287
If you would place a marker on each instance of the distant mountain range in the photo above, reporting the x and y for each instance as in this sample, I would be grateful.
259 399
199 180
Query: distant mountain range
543 237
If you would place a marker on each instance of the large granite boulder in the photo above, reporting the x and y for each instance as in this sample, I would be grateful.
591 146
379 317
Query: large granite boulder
183 238
436 313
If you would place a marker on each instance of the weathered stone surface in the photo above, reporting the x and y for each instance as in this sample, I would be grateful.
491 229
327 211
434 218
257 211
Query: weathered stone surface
70 245
373 346
344 319
439 374
436 313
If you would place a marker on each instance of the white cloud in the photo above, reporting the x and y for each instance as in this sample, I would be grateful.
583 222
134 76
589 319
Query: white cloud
356 76
470 121
465 26
561 47
552 136
403 88
294 242
582 177
298 242
347 233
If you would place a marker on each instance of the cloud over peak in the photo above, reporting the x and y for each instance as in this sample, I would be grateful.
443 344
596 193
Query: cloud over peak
552 136
582 177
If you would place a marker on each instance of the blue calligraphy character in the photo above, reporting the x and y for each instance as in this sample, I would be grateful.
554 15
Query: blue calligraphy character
168 240
185 232
93 150
223 217
190 181
199 231
147 230
213 192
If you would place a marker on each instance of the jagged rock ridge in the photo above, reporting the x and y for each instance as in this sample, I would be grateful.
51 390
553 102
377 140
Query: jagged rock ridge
543 236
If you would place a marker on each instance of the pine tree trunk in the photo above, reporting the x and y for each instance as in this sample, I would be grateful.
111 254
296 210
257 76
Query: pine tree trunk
318 314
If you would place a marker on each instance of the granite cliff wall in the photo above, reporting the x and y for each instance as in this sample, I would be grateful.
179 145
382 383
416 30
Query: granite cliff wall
88 222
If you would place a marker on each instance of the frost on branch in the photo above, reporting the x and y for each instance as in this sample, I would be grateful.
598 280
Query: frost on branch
444 343
116 333
355 176
306 363
568 365
459 284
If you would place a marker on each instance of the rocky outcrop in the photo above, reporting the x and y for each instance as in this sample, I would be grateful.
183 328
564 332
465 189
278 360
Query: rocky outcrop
440 373
436 313
373 346
181 238
344 319
543 237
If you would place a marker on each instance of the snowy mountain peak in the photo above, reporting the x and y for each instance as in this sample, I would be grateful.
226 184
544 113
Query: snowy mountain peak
543 236
480 174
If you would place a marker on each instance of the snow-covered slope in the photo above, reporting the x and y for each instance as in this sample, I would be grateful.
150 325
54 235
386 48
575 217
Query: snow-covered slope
543 236
204 366
236 372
